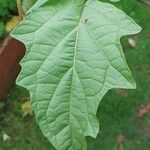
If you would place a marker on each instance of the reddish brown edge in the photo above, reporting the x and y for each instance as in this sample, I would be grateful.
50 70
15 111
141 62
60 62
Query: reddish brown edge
11 52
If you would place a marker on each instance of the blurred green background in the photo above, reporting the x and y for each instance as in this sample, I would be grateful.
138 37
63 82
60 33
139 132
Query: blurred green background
7 9
122 123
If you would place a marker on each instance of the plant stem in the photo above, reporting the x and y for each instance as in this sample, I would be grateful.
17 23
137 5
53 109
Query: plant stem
20 9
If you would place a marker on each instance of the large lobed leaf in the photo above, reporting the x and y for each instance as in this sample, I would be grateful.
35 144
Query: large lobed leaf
73 58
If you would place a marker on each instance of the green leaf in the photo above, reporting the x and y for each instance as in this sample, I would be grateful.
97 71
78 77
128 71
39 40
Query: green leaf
37 4
27 4
73 58
114 0
2 29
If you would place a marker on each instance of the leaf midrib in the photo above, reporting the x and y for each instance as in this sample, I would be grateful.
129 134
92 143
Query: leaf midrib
73 69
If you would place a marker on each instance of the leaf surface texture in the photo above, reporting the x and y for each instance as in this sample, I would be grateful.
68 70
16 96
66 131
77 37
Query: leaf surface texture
73 58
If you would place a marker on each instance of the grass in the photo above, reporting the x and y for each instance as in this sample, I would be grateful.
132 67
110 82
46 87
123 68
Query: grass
117 111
